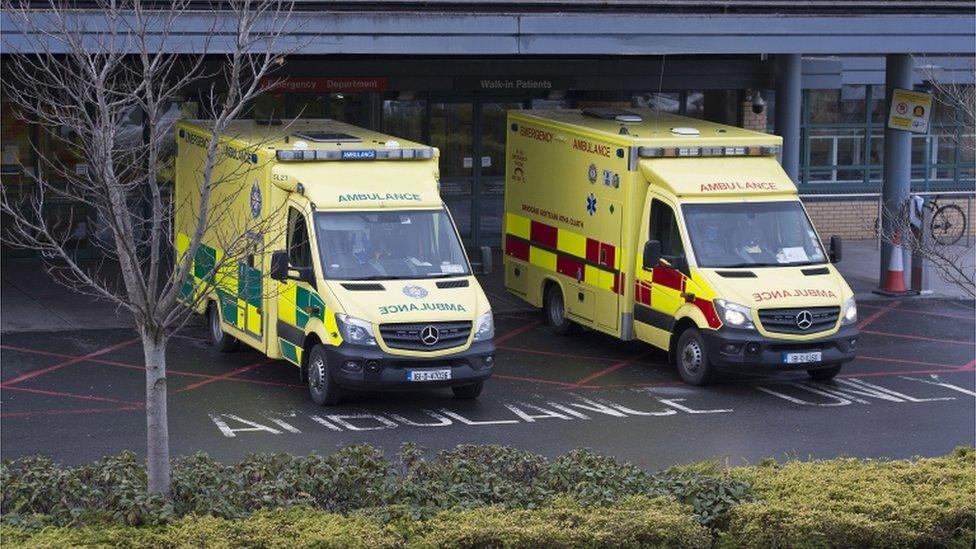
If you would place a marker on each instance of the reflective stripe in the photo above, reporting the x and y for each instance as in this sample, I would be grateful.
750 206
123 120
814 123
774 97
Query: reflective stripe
517 225
542 258
571 243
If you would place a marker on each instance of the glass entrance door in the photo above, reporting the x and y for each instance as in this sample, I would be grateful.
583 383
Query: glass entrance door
471 137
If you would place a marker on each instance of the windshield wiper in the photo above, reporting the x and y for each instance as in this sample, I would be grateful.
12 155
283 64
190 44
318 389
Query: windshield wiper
445 275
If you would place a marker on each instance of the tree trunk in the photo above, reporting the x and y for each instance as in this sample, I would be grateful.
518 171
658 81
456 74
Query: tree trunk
157 427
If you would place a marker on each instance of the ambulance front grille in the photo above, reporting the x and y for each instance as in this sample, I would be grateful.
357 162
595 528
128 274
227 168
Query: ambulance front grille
784 321
409 337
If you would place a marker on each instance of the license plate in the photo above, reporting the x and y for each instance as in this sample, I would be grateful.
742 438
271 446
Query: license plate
801 358
428 375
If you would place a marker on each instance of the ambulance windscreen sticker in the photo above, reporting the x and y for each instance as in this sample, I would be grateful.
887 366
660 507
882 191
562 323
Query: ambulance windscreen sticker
255 200
591 204
592 173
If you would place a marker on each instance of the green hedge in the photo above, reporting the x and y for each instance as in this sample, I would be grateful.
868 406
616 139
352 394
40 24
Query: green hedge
853 503
635 522
490 496
36 492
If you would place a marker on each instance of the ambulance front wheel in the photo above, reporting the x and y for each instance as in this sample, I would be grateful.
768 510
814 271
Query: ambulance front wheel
221 340
694 367
555 309
321 387
824 374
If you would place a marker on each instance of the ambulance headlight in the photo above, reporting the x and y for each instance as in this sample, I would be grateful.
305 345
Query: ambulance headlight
850 312
485 327
734 315
355 330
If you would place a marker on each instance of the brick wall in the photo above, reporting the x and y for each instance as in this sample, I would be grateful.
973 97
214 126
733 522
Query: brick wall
855 218
751 120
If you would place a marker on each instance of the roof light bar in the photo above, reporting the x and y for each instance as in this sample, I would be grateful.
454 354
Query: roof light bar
305 155
669 152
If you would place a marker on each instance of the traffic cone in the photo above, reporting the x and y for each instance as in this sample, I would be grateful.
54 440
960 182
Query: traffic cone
894 281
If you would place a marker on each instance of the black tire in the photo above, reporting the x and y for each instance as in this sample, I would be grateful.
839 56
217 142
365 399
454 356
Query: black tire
691 358
221 340
554 307
322 389
468 392
948 224
824 374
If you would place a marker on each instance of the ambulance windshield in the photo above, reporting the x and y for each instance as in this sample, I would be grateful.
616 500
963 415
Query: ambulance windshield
752 234
382 245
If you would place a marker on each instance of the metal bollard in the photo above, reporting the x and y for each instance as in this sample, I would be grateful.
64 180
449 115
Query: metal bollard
921 219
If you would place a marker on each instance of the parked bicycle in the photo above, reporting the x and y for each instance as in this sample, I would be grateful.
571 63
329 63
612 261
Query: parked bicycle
948 222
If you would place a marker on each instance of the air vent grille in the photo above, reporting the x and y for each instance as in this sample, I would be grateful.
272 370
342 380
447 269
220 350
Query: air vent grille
363 287
443 284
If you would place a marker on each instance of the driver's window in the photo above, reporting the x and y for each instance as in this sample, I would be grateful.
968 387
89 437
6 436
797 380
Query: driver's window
664 228
299 250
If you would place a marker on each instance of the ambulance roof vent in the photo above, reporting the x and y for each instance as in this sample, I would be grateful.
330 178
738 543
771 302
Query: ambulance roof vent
608 113
685 131
328 137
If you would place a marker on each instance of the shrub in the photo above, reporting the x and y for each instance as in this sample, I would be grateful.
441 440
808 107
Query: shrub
852 503
634 522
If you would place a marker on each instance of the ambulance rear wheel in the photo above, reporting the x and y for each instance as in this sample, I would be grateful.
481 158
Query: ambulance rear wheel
468 392
692 358
555 309
321 387
221 340
824 374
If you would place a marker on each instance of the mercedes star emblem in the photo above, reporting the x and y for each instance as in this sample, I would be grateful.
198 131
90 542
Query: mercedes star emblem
430 335
804 320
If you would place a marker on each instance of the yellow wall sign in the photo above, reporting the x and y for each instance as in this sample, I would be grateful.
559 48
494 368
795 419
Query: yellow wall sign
910 111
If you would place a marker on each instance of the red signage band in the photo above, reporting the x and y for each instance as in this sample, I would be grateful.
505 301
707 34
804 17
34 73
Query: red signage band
350 84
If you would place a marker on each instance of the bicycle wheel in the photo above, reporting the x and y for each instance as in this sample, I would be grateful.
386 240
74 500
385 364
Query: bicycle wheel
948 224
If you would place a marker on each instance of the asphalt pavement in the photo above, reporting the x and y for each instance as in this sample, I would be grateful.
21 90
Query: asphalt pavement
76 395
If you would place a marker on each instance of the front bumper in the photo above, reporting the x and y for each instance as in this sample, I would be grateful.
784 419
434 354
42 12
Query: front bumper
379 370
747 351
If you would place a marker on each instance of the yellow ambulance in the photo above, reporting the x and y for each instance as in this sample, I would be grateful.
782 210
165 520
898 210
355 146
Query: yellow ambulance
328 246
682 233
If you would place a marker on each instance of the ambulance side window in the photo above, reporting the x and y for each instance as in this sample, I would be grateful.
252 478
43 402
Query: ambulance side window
299 250
664 227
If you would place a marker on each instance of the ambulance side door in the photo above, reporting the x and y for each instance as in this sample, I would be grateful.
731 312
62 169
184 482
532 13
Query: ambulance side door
297 299
659 287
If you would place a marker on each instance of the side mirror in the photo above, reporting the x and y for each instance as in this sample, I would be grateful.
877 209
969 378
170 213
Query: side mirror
652 254
279 265
486 266
836 248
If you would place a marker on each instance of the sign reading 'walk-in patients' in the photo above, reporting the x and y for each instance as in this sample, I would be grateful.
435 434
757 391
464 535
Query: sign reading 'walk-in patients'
910 111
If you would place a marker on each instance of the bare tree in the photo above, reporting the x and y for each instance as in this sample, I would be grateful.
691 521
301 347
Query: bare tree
80 76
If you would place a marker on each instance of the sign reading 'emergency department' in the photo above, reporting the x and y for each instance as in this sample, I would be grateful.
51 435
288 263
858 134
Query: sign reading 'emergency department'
910 111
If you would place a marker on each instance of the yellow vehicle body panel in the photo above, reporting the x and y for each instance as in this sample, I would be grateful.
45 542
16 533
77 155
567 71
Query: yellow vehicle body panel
255 188
577 196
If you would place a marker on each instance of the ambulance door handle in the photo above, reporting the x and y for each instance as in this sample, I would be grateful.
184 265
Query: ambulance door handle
311 311
580 296
688 296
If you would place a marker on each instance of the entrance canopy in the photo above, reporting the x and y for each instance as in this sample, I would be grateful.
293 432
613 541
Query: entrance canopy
585 27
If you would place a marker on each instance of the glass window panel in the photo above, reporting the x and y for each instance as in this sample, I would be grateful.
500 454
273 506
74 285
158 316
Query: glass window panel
493 134
695 103
348 107
451 131
664 102
943 149
821 151
849 151
918 150
877 149
878 112
850 175
405 118
843 106
308 105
